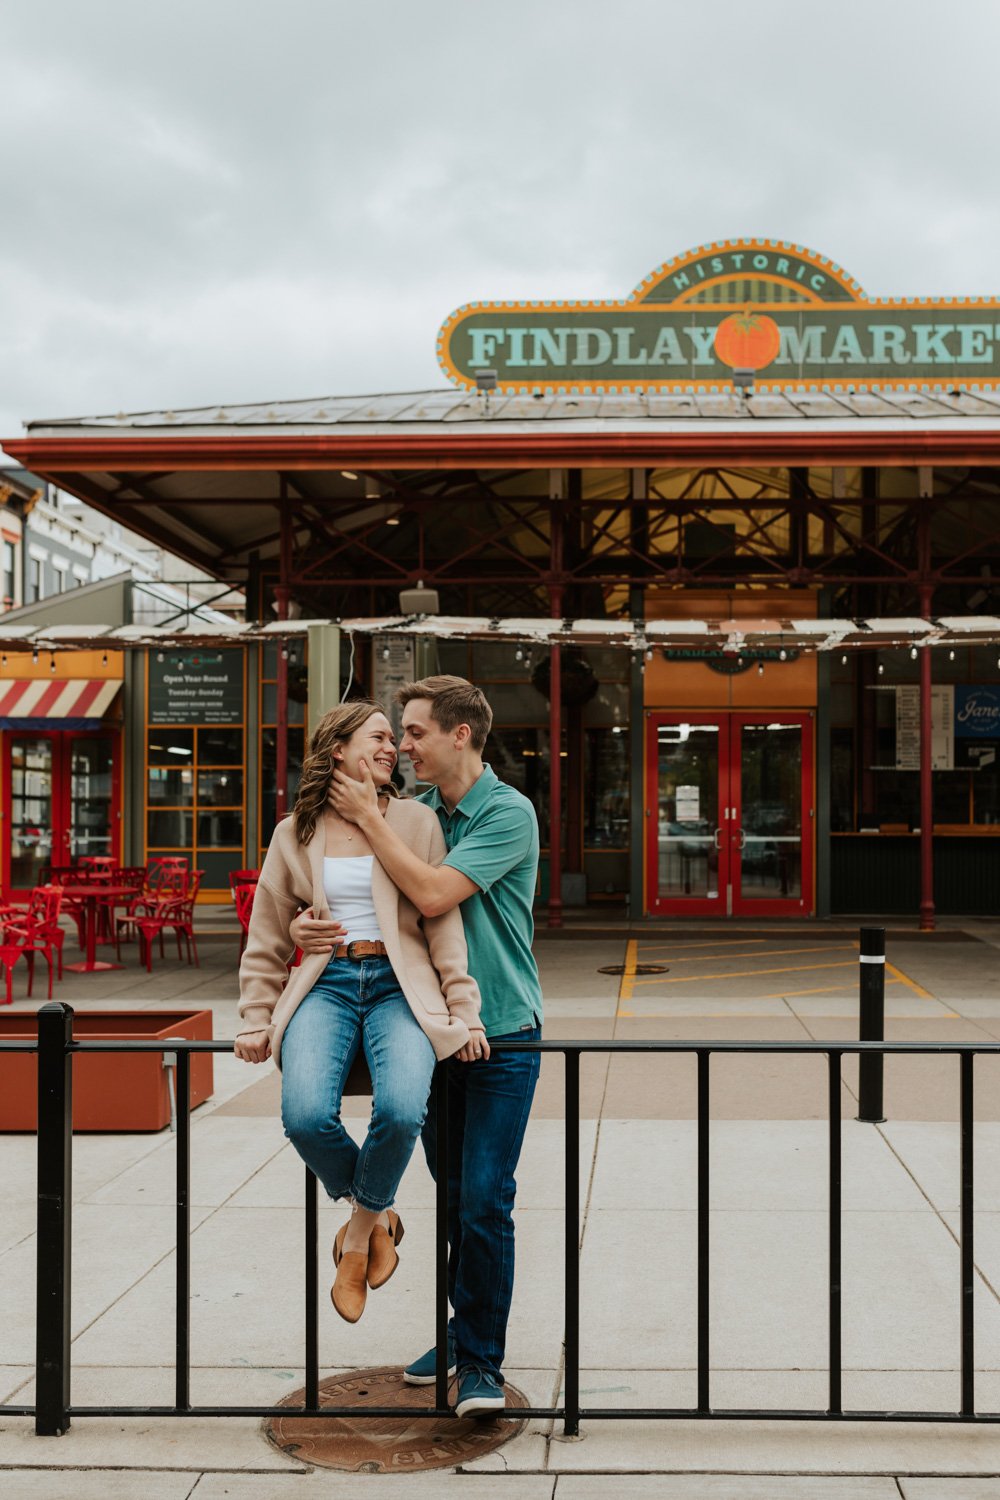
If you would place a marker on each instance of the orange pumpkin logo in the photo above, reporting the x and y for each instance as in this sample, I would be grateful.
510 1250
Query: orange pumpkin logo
747 340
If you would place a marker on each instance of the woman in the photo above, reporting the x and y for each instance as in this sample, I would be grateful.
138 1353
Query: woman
398 987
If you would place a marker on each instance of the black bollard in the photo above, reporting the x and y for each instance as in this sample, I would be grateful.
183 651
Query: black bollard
871 981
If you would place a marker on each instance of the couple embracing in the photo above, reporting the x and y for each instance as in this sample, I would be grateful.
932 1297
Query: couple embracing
415 921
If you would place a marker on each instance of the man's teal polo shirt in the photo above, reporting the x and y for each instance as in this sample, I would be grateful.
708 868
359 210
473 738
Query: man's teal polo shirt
492 837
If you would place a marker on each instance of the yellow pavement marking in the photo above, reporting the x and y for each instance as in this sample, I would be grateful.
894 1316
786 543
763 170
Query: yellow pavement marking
912 984
839 963
775 953
628 978
829 989
710 943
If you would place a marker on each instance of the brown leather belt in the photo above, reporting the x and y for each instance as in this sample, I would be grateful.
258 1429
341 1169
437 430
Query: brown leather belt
360 950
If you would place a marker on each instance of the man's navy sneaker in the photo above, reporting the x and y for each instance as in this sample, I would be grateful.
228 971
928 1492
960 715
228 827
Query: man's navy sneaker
479 1394
423 1371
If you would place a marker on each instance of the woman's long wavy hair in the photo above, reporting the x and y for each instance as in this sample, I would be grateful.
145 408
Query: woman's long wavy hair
333 730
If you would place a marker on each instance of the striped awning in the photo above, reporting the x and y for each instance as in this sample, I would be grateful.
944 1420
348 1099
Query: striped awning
63 703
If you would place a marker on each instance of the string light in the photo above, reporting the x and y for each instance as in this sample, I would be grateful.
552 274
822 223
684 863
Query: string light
760 669
385 653
881 668
519 654
104 659
913 653
34 657
649 653
3 660
843 659
52 664
159 657
782 654
951 655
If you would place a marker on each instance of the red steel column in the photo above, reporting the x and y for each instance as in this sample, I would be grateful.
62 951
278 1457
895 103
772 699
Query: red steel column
926 781
555 725
281 595
924 563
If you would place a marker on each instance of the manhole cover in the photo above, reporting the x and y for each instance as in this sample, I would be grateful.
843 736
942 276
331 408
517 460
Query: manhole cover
639 969
388 1445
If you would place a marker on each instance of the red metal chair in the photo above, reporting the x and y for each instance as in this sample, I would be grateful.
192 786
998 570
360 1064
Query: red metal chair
180 916
242 877
243 895
163 882
36 931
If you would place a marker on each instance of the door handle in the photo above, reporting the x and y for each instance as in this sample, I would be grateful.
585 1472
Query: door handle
742 838
717 836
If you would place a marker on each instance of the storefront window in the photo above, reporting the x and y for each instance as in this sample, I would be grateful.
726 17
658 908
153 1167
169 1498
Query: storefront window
606 789
195 771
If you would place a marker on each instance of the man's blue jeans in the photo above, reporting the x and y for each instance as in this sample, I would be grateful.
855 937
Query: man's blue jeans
355 1004
488 1106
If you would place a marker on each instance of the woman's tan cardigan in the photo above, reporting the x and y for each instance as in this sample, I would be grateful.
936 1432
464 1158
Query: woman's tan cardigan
428 954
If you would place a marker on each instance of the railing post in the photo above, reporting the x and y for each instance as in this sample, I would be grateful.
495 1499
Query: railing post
871 984
182 1372
967 1253
441 1167
312 1294
55 1186
571 1402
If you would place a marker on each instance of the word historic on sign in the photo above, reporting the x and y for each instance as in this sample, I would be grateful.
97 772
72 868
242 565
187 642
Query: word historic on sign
786 314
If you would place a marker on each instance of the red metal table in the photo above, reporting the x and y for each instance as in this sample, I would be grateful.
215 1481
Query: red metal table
90 893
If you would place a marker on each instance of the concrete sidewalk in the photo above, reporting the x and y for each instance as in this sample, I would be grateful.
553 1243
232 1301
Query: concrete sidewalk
638 1250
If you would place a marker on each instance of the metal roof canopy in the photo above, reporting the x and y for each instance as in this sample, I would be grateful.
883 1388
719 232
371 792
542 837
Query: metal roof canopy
728 635
207 482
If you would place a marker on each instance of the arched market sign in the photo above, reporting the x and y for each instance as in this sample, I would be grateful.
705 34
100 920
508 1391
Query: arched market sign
782 313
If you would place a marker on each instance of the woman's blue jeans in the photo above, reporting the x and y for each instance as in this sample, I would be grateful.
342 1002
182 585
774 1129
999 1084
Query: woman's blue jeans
355 1003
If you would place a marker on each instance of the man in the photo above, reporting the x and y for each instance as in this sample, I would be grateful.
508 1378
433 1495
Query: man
491 833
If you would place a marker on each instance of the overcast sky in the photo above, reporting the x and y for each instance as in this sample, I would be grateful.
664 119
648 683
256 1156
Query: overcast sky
227 200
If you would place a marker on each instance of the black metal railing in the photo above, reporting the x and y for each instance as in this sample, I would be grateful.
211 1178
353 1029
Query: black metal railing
53 1409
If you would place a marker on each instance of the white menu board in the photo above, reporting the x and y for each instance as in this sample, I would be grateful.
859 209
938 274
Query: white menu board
942 727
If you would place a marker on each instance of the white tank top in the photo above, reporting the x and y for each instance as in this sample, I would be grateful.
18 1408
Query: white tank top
347 882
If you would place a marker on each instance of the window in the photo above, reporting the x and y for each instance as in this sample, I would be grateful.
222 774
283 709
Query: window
35 580
9 582
59 566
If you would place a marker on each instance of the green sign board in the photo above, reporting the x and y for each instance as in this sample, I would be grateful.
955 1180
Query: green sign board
781 314
195 687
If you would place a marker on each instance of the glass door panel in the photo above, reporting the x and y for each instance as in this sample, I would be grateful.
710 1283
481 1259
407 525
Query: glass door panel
30 810
770 861
685 859
772 796
91 821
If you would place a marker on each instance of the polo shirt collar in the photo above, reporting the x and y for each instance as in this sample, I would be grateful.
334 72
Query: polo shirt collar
479 793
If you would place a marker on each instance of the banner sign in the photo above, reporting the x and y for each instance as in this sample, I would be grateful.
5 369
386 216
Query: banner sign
781 313
195 687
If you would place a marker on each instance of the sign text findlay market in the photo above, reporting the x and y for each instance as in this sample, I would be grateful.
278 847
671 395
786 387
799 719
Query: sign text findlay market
784 313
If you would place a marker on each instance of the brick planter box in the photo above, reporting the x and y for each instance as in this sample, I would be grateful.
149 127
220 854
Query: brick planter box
111 1091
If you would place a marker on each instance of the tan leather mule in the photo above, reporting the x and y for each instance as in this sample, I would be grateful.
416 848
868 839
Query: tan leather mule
382 1257
350 1289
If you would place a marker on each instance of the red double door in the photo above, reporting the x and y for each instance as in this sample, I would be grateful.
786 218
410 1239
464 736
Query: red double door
729 814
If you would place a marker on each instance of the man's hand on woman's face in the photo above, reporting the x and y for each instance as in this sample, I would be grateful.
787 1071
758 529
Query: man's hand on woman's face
354 800
314 935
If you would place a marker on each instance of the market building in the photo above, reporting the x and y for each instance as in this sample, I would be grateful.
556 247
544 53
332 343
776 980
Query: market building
732 544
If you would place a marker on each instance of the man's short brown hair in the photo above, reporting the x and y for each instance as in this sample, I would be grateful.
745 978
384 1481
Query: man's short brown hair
453 702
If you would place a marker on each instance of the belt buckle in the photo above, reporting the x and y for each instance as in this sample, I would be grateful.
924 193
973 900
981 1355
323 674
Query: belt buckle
350 950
